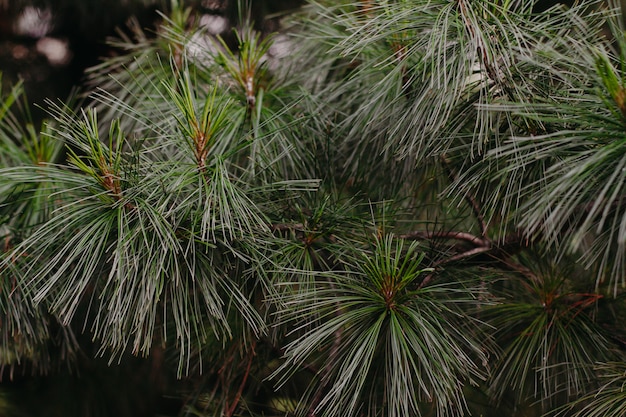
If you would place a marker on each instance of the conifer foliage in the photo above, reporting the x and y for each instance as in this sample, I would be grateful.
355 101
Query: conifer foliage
390 208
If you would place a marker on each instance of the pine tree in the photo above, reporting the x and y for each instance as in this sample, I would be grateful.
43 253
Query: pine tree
391 208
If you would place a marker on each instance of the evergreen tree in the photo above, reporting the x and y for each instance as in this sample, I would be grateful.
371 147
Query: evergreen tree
391 208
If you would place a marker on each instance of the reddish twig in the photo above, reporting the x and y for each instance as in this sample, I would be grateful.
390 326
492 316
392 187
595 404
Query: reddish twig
468 237
235 403
463 255
501 253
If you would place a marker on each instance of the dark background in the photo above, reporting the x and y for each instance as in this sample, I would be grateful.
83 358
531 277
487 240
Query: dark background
84 26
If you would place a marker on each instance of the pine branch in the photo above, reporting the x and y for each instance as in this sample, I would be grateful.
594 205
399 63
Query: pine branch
233 406
471 200
467 237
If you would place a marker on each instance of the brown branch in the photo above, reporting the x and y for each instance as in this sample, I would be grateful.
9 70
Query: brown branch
235 403
464 255
468 237
500 253
287 227
458 257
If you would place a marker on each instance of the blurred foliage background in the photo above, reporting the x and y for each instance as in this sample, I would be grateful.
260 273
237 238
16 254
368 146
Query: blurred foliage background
48 44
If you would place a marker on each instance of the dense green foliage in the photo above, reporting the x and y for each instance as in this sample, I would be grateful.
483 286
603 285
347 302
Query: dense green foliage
393 208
